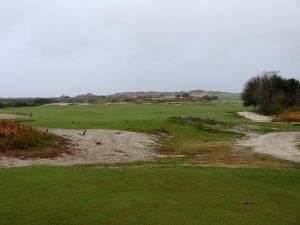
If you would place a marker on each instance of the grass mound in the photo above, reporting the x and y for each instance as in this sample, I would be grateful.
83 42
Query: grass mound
16 136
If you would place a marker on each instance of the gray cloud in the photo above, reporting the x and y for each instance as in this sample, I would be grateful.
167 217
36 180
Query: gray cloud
49 48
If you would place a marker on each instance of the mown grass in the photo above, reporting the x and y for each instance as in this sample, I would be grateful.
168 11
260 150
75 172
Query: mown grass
132 116
150 118
119 116
160 196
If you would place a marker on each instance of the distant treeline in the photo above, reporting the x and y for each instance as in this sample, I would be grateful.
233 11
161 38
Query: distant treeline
29 102
270 93
90 98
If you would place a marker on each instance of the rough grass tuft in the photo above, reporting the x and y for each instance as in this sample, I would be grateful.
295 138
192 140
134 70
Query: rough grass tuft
16 136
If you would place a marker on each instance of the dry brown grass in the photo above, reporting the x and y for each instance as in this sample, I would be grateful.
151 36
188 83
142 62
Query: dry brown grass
289 117
11 129
228 154
21 141
239 156
17 136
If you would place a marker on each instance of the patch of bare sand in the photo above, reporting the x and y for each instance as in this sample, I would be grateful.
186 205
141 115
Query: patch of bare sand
279 144
105 146
58 104
255 117
4 116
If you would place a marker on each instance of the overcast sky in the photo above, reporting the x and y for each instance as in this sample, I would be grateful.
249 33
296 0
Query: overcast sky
55 47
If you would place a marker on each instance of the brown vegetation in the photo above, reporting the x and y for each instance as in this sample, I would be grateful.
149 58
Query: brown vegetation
289 117
23 141
227 154
231 155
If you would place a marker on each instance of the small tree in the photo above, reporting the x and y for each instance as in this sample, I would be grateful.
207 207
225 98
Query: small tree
271 92
2 105
250 94
185 95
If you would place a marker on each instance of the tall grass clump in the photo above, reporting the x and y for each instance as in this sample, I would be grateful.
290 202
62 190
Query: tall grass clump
15 136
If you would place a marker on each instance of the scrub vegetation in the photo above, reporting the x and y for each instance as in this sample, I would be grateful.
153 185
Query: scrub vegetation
15 136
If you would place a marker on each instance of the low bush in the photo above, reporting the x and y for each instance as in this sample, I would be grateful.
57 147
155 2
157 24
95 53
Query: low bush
2 105
160 131
194 120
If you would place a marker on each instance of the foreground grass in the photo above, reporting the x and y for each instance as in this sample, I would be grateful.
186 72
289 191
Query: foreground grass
160 196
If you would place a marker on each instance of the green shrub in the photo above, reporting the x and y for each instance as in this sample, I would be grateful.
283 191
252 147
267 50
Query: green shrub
2 105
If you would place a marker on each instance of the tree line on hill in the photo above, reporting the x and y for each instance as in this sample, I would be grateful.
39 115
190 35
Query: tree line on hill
30 102
90 98
269 93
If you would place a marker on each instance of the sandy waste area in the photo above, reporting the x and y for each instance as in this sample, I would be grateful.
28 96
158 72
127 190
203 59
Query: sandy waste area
278 144
105 146
255 117
11 116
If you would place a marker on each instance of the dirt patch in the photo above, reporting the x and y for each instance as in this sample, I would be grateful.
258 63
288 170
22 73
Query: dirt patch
255 117
279 144
95 146
237 156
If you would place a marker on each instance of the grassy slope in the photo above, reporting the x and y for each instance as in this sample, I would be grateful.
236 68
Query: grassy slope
132 116
145 118
149 117
179 195
116 116
58 195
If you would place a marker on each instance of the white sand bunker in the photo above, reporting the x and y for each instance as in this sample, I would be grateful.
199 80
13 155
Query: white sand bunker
255 117
95 146
58 104
280 144
11 116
